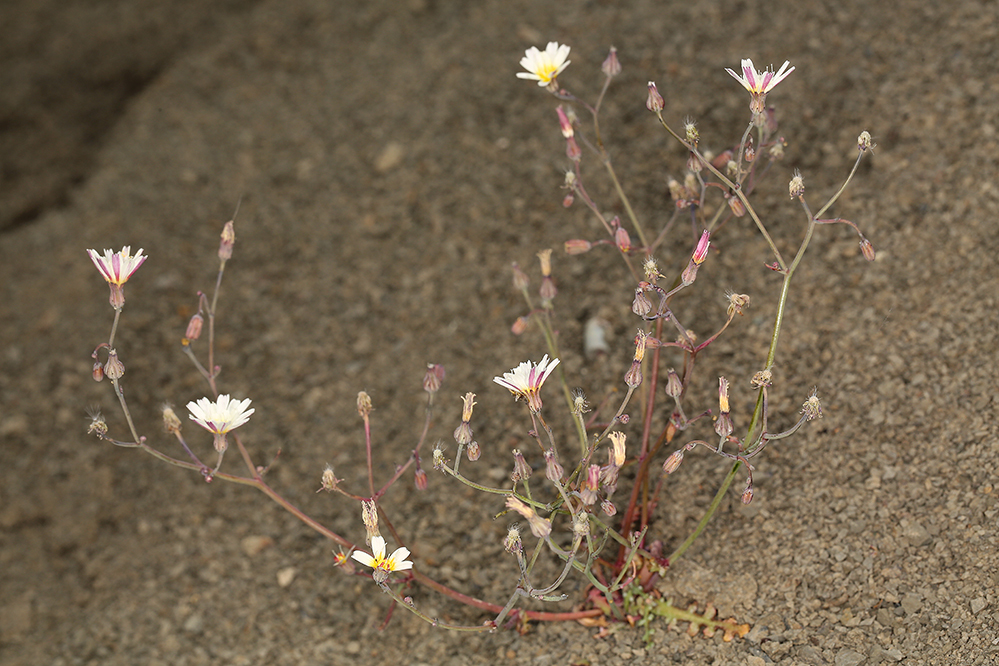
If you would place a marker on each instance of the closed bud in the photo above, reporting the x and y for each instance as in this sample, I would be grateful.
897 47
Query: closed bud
654 103
420 479
673 462
520 280
641 306
114 368
608 508
572 149
611 66
520 325
228 240
747 495
98 372
867 249
563 122
473 451
633 378
194 327
588 491
521 470
674 387
553 470
577 246
433 378
567 200
736 206
622 239
701 251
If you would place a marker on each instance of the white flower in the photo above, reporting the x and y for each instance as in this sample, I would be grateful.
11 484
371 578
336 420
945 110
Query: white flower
220 417
760 83
544 66
383 565
117 267
526 379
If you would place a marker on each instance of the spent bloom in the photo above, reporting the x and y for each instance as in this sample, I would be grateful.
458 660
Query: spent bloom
220 417
544 66
526 379
117 267
383 565
760 83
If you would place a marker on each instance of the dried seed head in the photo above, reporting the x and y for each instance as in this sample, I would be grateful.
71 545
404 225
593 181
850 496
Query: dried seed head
641 306
171 422
363 404
617 439
761 379
512 543
328 481
865 142
690 131
521 470
581 524
438 456
737 303
797 185
812 408
97 425
369 516
579 404
867 249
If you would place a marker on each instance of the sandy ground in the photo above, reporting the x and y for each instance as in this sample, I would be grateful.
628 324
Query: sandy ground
390 167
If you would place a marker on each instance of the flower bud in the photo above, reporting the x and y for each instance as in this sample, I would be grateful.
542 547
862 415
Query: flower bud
114 368
567 200
633 378
701 251
520 280
98 372
655 101
433 378
622 239
747 495
867 249
608 508
588 491
736 206
228 240
611 66
674 387
194 326
673 462
572 149
553 470
473 451
577 246
521 470
520 325
641 306
420 479
563 122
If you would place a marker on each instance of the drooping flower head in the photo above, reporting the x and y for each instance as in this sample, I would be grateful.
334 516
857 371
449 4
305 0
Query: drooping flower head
220 417
544 66
526 379
117 267
383 565
760 83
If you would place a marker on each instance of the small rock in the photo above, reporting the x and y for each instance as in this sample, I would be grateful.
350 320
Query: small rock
252 545
978 604
195 624
286 575
390 157
849 657
916 534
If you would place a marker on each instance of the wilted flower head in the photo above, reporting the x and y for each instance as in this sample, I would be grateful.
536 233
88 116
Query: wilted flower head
544 66
117 267
220 417
383 565
526 379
